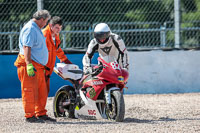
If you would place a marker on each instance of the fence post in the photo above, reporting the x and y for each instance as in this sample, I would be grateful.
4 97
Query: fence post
40 5
177 22
90 33
163 36
64 40
11 42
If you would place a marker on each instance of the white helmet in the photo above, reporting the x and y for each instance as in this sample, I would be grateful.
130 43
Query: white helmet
102 31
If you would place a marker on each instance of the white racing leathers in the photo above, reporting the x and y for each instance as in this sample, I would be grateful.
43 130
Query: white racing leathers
114 47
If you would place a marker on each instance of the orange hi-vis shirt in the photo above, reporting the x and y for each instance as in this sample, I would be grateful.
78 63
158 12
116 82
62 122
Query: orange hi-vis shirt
53 49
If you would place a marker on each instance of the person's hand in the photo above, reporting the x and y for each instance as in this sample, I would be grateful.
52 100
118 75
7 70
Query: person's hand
30 70
88 70
125 68
67 61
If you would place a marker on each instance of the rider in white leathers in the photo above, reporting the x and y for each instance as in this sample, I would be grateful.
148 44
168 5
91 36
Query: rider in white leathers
106 43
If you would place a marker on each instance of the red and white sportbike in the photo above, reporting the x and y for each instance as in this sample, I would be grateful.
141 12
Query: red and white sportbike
97 95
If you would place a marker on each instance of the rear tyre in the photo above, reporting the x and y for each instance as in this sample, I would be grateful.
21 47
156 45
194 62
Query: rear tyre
63 95
117 111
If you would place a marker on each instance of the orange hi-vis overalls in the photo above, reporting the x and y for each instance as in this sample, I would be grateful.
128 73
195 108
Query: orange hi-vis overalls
54 50
34 89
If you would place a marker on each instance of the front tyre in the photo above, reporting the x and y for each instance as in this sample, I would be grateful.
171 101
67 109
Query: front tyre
63 96
117 111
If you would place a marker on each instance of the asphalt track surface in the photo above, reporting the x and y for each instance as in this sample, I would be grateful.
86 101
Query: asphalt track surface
163 113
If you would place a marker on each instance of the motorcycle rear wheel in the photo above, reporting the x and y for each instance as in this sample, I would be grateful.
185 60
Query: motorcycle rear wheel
118 107
64 94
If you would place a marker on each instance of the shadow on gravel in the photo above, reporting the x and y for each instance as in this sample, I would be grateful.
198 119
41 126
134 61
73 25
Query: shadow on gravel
134 120
86 122
126 120
165 119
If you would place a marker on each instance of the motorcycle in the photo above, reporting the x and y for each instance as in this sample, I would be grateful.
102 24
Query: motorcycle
96 95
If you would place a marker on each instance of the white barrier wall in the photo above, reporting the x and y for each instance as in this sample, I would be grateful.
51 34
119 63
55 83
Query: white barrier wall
164 72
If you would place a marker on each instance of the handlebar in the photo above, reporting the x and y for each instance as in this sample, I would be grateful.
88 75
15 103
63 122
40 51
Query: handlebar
95 71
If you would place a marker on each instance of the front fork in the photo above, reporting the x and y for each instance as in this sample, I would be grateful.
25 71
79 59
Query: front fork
107 94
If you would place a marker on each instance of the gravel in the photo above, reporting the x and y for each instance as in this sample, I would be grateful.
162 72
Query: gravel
163 113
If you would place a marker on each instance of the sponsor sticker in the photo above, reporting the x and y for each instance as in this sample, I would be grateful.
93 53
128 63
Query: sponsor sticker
92 93
97 82
120 78
77 108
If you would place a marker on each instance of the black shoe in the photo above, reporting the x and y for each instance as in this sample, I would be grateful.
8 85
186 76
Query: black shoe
46 118
34 120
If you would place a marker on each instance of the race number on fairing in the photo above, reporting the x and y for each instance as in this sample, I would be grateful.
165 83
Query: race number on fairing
92 112
115 65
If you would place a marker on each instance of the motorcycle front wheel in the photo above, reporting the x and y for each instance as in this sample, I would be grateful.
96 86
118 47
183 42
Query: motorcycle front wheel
61 103
117 111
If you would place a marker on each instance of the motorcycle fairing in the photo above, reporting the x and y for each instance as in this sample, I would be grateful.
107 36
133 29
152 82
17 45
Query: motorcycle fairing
94 92
89 110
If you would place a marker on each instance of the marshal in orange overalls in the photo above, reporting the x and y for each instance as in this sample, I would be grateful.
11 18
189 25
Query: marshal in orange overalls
54 50
34 89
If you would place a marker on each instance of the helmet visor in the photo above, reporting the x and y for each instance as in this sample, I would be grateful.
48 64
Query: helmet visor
102 35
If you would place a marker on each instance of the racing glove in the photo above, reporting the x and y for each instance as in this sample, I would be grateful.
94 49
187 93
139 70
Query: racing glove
125 68
30 70
87 70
